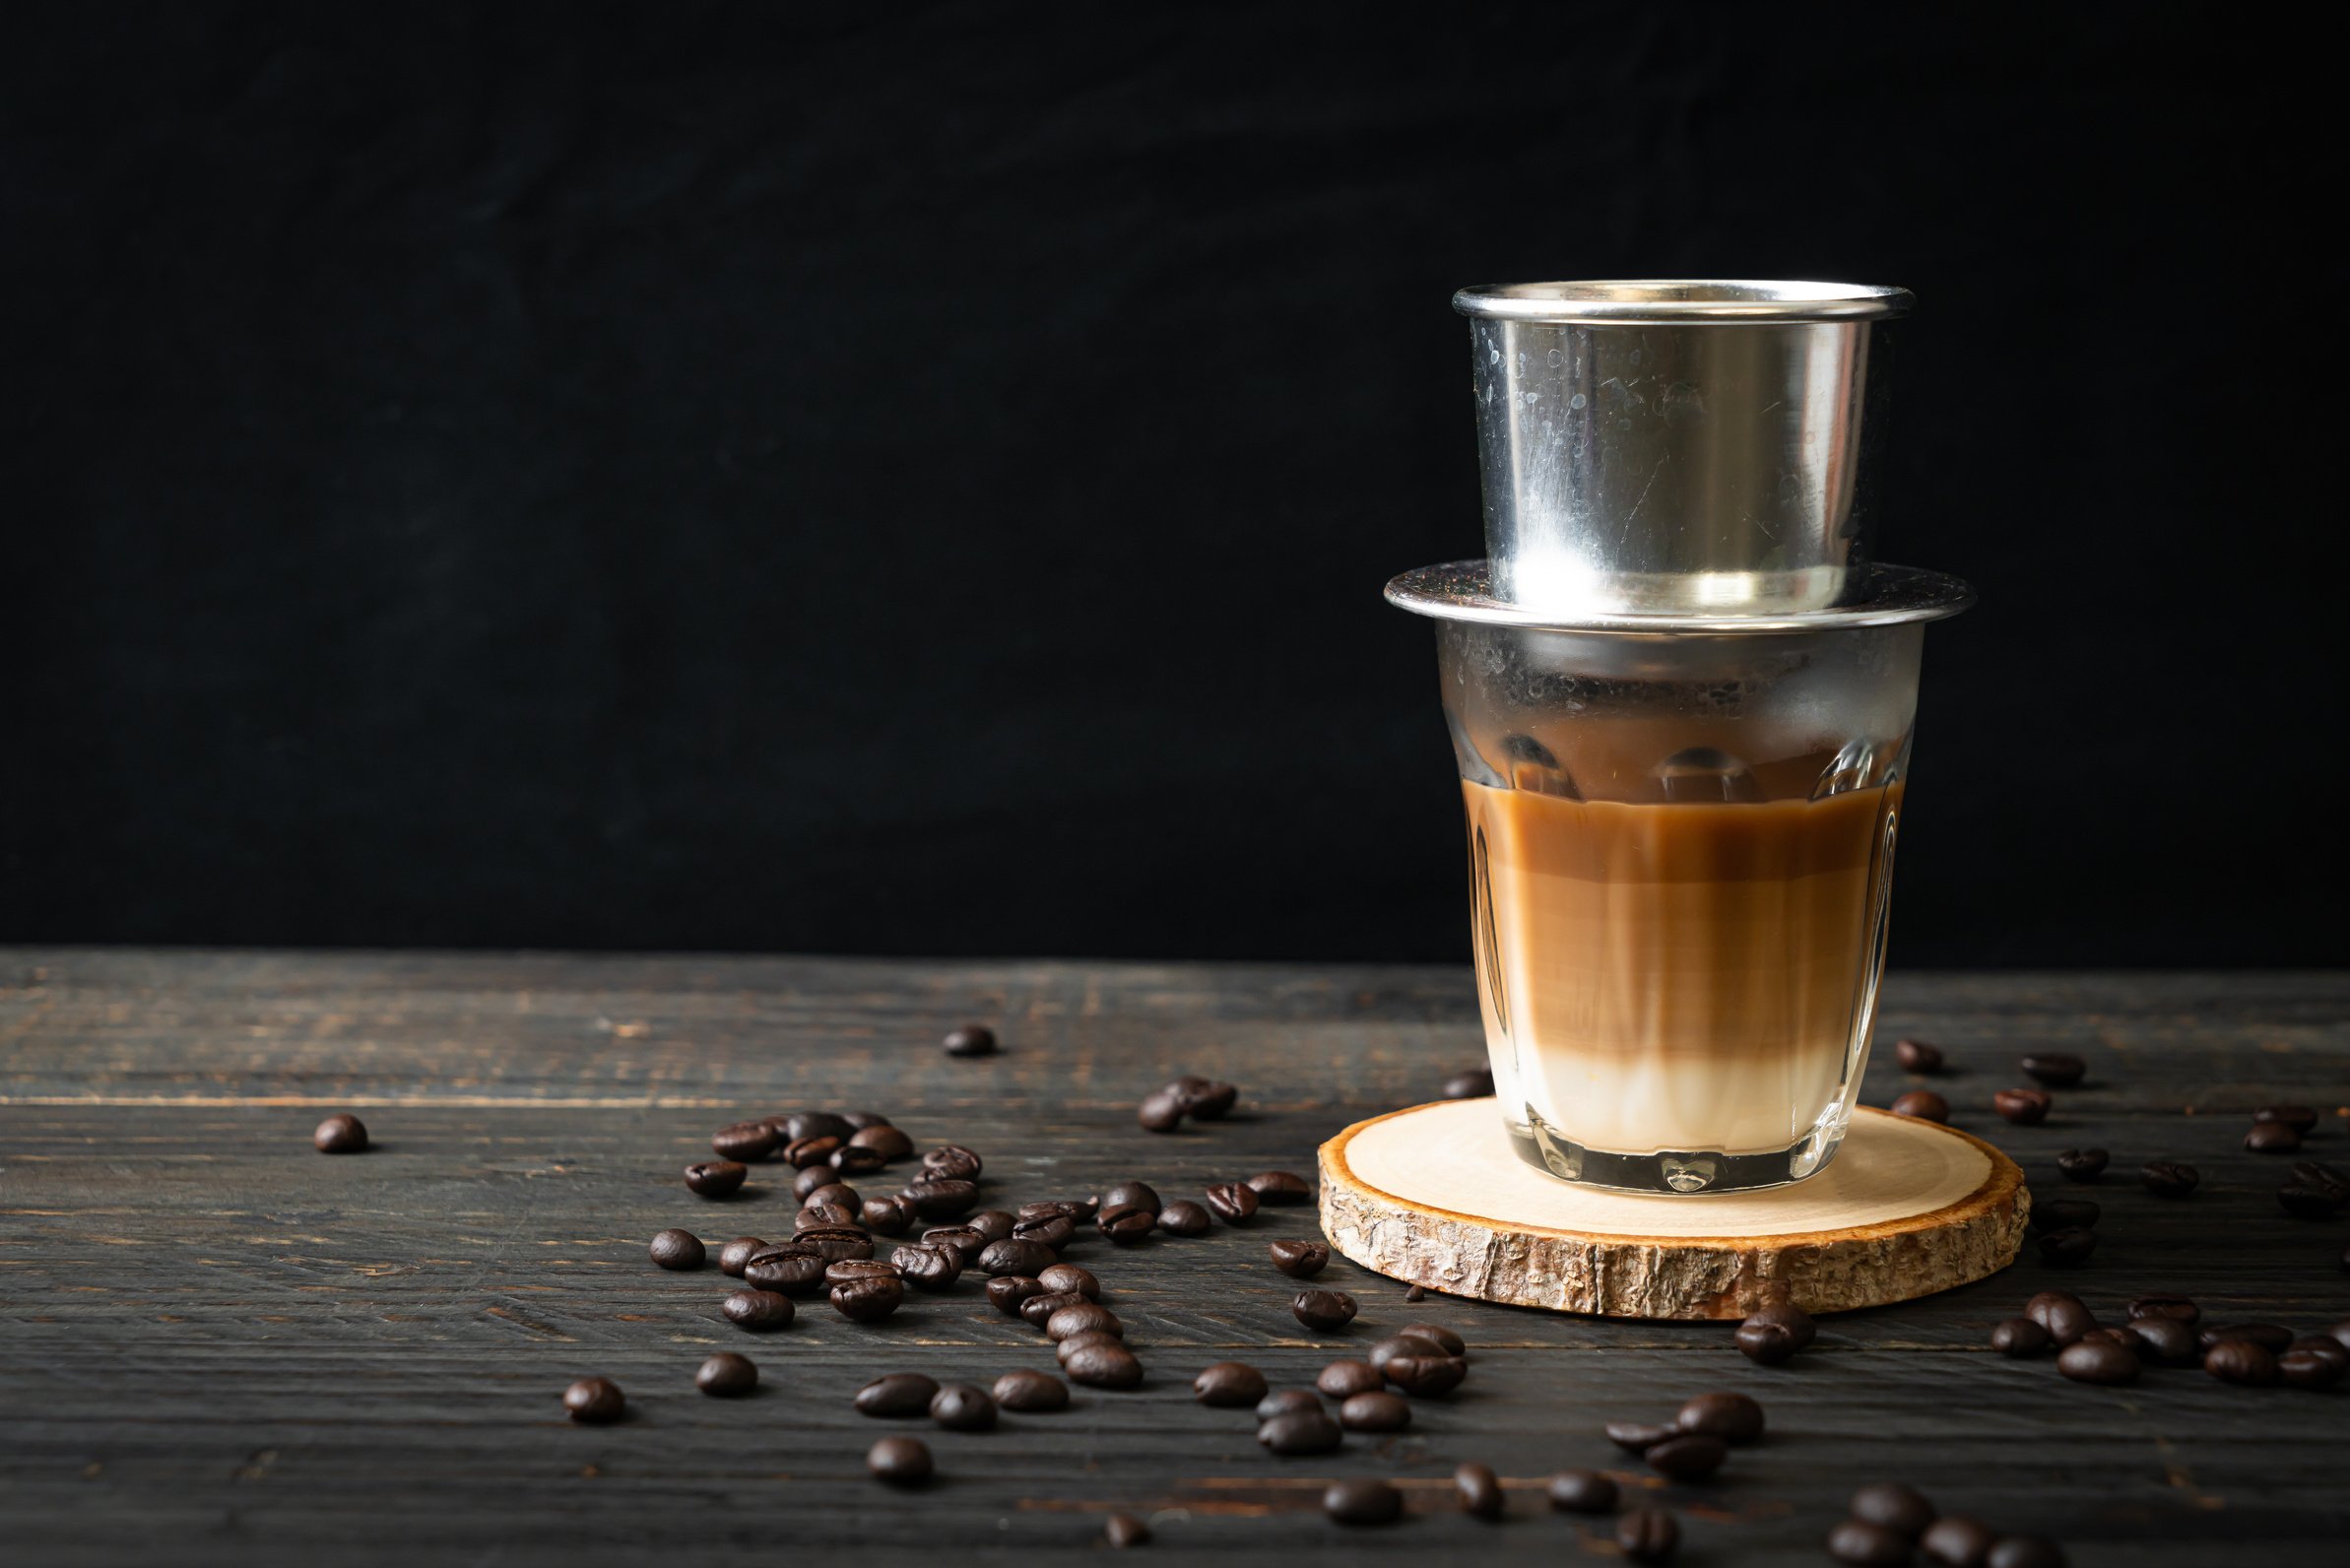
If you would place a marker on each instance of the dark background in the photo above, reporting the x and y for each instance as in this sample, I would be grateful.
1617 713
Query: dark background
913 479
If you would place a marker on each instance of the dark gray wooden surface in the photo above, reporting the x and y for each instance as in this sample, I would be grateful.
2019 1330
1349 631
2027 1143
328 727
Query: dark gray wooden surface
217 1345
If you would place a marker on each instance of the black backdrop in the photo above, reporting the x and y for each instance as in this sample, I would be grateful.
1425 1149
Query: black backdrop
878 478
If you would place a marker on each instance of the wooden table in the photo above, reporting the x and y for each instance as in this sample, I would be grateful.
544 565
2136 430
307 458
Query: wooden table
217 1345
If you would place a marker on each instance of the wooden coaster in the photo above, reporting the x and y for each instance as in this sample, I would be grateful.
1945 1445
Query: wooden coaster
1906 1209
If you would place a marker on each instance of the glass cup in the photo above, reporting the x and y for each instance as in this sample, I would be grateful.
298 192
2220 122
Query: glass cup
1680 855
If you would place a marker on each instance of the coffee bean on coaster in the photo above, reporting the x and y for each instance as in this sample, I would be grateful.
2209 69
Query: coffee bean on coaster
1923 1105
1917 1056
972 1039
1299 1260
1648 1534
678 1250
897 1394
900 1460
1031 1392
1228 1383
1479 1489
2082 1164
595 1401
726 1376
2059 1070
2023 1107
1583 1491
340 1133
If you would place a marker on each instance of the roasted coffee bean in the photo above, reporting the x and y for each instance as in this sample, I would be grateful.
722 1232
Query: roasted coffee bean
1104 1365
951 1162
1342 1380
2017 1337
928 1269
1417 1294
1183 1217
1279 1188
758 1311
2272 1138
1053 1230
2166 1340
1475 1083
900 1460
2098 1360
2068 1249
2127 1339
868 1300
834 1242
1857 1540
1204 1100
1648 1534
595 1401
1161 1112
1124 1227
2300 1117
726 1376
2243 1362
1775 1332
1299 1432
944 1199
812 1124
1030 1391
1233 1202
1228 1383
823 1216
1014 1258
1478 1487
1889 1505
1132 1195
898 1394
2313 1362
841 1195
1363 1500
1300 1260
961 1408
2165 1178
1732 1418
2061 1313
972 1039
2269 1337
1006 1293
1036 1310
1322 1310
1375 1410
861 1120
851 1159
1080 1316
1583 1491
1281 1402
2310 1173
1436 1334
1923 1104
1125 1529
1957 1541
715 1178
1919 1057
2024 1552
2064 1214
885 1141
2304 1202
2023 1107
678 1248
736 1253
1068 1349
2177 1308
345 1134
1426 1376
812 1179
808 1153
1398 1345
966 1242
790 1272
1637 1437
2082 1164
859 1268
2059 1070
743 1142
1063 1276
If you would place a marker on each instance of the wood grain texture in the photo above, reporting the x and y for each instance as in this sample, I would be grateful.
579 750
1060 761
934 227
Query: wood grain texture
1434 1196
219 1346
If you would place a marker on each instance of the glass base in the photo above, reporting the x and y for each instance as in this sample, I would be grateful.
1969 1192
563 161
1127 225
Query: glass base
1678 1172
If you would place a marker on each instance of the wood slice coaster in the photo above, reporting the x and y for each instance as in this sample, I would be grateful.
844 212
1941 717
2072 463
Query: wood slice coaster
1434 1196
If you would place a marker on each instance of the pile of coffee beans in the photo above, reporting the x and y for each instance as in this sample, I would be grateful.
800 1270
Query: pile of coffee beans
2167 1331
1890 1520
1423 1360
1202 1099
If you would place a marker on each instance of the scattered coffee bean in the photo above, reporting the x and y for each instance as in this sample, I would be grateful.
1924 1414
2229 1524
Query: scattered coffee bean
1473 1084
1389 1348
851 1159
1159 1113
736 1253
2082 1164
1322 1310
2242 1362
1132 1195
1106 1365
678 1248
1183 1217
2300 1117
1037 1310
2059 1070
993 1224
2272 1138
848 1268
823 1216
2018 1338
886 1141
2099 1361
2024 1552
1342 1380
1857 1540
1426 1376
1957 1541
758 1311
595 1401
837 1195
1125 1529
1067 1350
1583 1491
1027 1258
1889 1505
745 1141
1917 1056
1479 1488
727 1375
344 1134
1067 1276
1082 1316
1637 1437
1232 1202
1648 1534
1363 1500
788 1269
1284 1402
1124 1227
2127 1339
811 1124
2062 1314
900 1460
807 1154
832 1243
2064 1214
2303 1202
966 1242
897 1394
2269 1337
951 1162
2168 1178
2068 1249
1732 1418
1375 1410
961 1408
972 1039
811 1180
859 1120
2177 1308
2023 1107
1923 1105
943 1199
715 1178
1300 1260
1299 1432
868 1300
1228 1384
2315 1361
1203 1099
2166 1340
1279 1188
1436 1334
1776 1331
1055 1232
1029 1390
